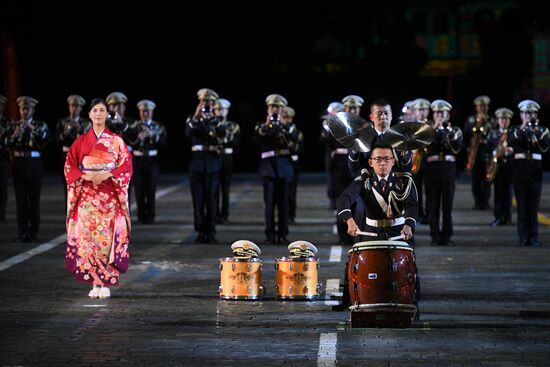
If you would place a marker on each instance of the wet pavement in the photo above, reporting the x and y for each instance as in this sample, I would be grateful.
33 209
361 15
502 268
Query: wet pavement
485 302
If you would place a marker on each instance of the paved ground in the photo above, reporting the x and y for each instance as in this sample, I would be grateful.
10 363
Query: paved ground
485 301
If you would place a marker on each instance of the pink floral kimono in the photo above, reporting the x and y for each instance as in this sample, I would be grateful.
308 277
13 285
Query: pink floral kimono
98 219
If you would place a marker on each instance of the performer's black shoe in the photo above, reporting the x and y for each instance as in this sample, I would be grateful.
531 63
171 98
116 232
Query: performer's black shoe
270 241
22 238
535 243
201 238
496 222
522 242
33 239
447 243
211 239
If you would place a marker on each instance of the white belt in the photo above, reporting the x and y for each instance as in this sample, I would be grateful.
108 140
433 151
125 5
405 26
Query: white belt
147 153
294 158
204 148
385 222
533 156
341 151
228 151
447 158
65 149
268 154
22 153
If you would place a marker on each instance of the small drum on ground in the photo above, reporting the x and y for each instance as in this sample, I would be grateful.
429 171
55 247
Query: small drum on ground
241 278
297 278
382 283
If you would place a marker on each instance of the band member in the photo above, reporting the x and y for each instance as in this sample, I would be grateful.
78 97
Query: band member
421 111
276 138
407 112
353 104
4 163
528 141
441 173
499 171
70 128
327 140
478 153
118 123
391 206
26 138
295 154
227 146
205 131
151 135
381 116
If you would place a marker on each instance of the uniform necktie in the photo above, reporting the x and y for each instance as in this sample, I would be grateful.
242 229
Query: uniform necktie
383 185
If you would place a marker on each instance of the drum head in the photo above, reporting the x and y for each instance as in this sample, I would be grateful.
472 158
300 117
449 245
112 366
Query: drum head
375 245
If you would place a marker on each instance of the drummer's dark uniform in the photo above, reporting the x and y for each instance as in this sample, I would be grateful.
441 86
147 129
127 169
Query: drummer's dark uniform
398 198
528 144
441 177
297 152
276 170
399 195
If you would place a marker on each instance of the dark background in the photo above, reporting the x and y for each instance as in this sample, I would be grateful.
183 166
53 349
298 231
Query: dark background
311 53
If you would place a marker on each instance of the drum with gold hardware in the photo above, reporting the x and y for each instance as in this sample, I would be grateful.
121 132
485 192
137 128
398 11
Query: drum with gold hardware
241 278
297 275
241 275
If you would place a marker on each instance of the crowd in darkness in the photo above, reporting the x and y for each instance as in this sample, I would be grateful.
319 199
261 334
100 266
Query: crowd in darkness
312 53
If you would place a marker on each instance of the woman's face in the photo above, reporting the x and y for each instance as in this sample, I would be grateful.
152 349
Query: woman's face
98 114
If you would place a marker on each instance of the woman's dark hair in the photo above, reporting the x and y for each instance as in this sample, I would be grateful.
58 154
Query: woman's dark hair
95 102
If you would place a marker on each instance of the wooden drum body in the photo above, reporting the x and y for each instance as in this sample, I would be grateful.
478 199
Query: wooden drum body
382 283
297 279
241 278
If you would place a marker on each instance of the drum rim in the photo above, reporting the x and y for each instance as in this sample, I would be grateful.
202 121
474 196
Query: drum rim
383 306
381 243
300 259
244 260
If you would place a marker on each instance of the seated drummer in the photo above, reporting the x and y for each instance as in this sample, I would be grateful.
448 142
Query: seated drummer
391 205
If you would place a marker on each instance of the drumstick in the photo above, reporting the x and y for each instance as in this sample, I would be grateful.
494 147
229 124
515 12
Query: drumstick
396 237
372 234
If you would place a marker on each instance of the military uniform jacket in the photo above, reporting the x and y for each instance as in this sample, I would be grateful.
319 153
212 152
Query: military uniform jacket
229 142
493 139
4 123
528 144
67 137
150 143
29 141
483 154
205 135
122 128
399 198
446 144
276 144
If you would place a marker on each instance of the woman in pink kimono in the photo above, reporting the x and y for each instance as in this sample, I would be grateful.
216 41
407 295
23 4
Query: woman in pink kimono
98 170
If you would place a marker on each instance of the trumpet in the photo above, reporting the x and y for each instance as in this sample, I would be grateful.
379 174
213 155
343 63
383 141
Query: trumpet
496 161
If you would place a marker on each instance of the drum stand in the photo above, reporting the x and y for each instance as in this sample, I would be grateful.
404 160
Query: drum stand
382 315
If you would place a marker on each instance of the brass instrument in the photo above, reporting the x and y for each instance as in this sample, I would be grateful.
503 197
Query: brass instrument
479 130
417 157
496 160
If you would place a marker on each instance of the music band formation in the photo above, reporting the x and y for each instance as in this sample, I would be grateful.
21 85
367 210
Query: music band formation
381 179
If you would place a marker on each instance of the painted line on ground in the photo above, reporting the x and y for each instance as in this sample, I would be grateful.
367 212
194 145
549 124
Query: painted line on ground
46 246
335 254
327 350
333 286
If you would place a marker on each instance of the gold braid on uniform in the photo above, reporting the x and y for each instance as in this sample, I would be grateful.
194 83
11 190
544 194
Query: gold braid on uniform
542 135
242 252
393 196
299 253
457 133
